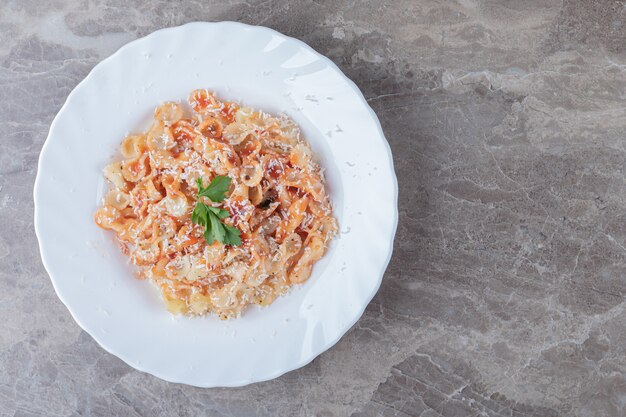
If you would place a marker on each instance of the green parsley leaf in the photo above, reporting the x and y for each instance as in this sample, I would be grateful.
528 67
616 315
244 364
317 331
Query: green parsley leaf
232 235
217 228
199 215
216 191
221 214
208 235
210 217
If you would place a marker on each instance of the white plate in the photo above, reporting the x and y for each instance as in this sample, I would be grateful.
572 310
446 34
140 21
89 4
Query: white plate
261 68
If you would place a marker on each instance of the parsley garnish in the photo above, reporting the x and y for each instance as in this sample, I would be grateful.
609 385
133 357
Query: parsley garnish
216 191
210 217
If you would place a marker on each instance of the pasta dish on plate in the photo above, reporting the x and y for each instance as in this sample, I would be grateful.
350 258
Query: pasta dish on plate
220 209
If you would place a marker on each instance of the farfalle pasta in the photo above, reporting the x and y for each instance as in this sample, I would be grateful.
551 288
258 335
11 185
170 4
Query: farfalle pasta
277 201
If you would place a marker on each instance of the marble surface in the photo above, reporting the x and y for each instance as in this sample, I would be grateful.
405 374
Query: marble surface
506 294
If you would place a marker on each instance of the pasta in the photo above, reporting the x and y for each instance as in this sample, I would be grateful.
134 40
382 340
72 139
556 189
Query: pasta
277 201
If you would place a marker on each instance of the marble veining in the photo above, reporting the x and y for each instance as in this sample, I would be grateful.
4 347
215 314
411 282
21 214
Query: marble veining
506 292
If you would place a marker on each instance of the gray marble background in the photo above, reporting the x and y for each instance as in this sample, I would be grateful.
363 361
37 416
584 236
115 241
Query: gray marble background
506 294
